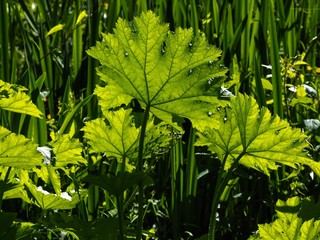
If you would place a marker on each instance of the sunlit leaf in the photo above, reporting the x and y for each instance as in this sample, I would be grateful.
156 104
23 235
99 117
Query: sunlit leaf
67 151
46 200
118 136
119 139
55 29
81 16
166 71
13 98
54 178
301 92
256 139
288 225
18 151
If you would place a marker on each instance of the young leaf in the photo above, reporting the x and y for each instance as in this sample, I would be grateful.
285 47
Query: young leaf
18 151
288 225
82 15
119 139
67 151
256 139
14 99
168 72
46 200
56 28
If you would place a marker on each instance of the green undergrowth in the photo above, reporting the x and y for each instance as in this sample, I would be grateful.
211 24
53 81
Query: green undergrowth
141 132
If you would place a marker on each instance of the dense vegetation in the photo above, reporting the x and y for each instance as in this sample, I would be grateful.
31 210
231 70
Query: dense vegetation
159 119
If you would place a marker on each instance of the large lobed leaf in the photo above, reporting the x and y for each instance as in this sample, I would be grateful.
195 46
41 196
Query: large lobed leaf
173 73
288 225
14 99
119 138
67 151
46 200
18 151
256 139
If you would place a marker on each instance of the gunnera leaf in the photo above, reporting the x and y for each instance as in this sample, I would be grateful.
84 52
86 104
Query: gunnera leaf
46 200
256 139
13 98
18 151
119 139
118 136
288 225
172 73
67 151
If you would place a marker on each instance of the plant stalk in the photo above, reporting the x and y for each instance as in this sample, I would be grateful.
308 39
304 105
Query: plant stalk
220 186
140 169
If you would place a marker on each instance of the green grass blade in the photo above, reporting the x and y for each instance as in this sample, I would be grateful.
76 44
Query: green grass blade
194 18
4 42
191 179
275 62
76 42
92 79
70 116
176 186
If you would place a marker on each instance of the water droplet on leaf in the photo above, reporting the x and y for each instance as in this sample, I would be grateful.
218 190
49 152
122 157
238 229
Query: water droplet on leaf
210 81
126 54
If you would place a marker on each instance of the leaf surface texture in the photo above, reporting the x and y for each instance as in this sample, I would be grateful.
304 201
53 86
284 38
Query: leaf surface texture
13 98
18 151
256 139
172 73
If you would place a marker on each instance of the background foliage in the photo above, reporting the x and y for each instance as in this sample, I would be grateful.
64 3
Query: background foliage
271 51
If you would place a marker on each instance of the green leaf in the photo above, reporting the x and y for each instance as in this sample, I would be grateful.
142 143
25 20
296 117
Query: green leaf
46 200
18 151
119 139
116 185
172 73
82 15
54 179
67 151
256 139
288 226
56 28
13 98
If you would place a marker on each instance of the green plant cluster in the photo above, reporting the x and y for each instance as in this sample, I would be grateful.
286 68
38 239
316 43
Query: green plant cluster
117 125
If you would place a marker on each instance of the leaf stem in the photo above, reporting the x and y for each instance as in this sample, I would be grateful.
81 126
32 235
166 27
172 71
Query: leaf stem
222 181
120 215
120 203
140 169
